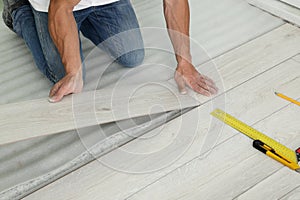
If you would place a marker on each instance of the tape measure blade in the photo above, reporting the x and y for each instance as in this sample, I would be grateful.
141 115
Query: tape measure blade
254 134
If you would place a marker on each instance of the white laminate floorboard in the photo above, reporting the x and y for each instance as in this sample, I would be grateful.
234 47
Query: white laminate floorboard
295 3
218 26
284 184
25 118
297 58
280 9
116 177
234 166
30 119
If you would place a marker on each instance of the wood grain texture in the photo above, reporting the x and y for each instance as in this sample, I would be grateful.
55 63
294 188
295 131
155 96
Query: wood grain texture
284 184
234 166
113 182
297 58
220 25
279 8
34 118
268 50
251 59
295 3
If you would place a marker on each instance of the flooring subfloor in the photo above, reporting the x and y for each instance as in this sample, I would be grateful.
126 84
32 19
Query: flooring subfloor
194 154
253 52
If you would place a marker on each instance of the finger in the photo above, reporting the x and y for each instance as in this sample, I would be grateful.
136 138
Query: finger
210 88
53 92
207 84
213 89
54 97
61 92
207 81
200 90
212 85
180 83
54 89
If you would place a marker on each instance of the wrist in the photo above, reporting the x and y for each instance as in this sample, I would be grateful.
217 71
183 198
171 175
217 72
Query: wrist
75 74
184 64
73 69
184 61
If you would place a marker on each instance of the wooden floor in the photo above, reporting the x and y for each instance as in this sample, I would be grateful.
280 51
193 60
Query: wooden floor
285 9
23 120
195 156
218 27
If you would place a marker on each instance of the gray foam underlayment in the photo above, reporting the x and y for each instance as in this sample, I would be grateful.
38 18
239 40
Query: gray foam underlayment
28 165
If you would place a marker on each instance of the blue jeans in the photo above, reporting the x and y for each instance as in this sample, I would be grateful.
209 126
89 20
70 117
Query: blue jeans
100 24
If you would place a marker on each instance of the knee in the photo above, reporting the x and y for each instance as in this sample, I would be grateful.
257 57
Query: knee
132 59
54 64
22 18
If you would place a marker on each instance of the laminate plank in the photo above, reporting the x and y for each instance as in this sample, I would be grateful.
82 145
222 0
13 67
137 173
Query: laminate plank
254 57
284 184
295 3
297 58
215 24
120 174
250 59
34 118
279 8
234 166
293 194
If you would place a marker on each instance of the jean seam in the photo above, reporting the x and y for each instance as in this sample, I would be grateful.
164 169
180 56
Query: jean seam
17 30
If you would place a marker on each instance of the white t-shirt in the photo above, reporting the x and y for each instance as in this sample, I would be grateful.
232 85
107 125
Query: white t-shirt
43 5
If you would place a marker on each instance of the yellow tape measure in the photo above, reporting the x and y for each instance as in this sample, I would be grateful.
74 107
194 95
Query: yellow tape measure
279 152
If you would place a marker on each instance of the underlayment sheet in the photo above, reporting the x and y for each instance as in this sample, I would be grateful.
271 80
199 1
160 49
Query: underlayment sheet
216 27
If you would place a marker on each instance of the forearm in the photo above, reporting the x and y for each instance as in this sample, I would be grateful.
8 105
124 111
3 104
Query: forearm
64 33
177 15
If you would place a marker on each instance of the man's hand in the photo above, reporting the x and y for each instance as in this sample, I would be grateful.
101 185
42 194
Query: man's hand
186 74
64 33
71 83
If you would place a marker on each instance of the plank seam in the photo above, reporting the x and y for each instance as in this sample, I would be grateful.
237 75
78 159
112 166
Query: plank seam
237 196
195 158
288 192
242 82
89 156
298 61
242 44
